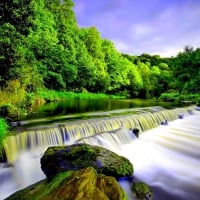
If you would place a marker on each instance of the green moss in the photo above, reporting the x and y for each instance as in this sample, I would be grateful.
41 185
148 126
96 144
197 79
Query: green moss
83 184
39 190
124 168
141 191
58 179
124 196
79 156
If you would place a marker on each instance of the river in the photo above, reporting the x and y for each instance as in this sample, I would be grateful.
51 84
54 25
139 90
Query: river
166 157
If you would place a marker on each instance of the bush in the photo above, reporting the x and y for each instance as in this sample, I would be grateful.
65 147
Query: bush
169 97
52 95
3 132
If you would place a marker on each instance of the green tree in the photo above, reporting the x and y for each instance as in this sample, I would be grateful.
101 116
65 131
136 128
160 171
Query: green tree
93 43
186 70
117 66
17 13
145 72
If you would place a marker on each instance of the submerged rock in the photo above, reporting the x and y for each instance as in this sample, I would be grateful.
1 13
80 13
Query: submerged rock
84 184
141 191
79 156
136 132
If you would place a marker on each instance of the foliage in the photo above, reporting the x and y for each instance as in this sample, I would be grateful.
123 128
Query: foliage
186 69
13 93
170 97
3 130
53 95
3 133
42 48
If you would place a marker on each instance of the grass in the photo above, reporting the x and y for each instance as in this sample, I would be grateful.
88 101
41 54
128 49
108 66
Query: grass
3 130
15 101
193 98
3 134
52 95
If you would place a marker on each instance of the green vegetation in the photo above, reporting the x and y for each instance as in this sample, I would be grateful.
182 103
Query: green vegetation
79 156
14 105
57 180
42 188
3 130
52 95
171 97
45 56
3 133
141 191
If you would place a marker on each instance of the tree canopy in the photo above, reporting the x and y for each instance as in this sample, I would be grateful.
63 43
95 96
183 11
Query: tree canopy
42 46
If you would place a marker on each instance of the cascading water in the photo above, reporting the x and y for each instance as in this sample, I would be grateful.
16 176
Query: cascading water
165 157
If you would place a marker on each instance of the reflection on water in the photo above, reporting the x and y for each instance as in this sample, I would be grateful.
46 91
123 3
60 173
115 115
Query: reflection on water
78 106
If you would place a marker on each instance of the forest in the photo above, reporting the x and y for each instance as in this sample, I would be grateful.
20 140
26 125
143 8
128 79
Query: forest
42 48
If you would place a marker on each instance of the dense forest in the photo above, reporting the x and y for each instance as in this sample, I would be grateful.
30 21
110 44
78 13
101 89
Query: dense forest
43 48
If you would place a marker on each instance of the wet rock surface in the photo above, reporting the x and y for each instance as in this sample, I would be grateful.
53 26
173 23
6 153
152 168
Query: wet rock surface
84 184
79 156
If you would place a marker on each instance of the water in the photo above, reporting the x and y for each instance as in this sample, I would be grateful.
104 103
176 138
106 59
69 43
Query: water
166 158
80 106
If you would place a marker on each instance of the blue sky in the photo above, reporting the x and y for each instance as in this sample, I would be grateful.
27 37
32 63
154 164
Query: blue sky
161 27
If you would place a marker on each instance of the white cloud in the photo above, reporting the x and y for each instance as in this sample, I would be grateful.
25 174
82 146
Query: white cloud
159 29
141 30
122 46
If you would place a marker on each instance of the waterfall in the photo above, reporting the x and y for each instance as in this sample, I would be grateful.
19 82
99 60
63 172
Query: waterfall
69 132
166 157
111 140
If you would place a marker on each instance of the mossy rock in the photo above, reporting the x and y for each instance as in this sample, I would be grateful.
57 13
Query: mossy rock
79 156
84 184
141 191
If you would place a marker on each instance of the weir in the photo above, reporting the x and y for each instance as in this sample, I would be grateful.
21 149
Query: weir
70 132
166 157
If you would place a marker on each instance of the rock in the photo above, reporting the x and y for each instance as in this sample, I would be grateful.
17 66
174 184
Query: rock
136 132
79 156
180 116
164 122
141 191
84 184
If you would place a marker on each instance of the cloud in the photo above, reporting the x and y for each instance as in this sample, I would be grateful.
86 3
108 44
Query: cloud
122 46
141 30
163 26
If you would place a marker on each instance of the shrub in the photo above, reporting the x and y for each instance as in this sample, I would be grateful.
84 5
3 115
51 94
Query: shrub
3 133
3 130
169 97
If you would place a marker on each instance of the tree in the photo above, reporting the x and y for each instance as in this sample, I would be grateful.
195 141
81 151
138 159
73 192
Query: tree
117 67
145 73
94 46
185 70
10 40
17 13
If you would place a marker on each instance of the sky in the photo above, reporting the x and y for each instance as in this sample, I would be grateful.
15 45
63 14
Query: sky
162 27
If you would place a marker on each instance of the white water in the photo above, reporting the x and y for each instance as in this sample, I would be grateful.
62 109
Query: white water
167 158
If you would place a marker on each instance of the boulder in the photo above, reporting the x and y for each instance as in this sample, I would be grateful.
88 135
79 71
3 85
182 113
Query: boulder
141 191
84 184
79 156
